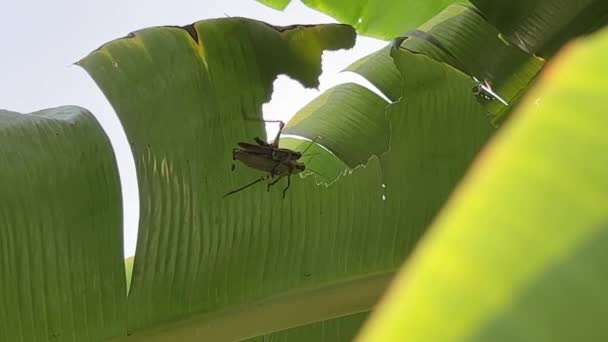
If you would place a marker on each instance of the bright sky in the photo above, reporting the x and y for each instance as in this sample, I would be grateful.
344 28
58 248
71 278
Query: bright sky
41 39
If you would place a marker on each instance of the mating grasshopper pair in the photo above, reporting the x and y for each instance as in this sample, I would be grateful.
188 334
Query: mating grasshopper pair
269 157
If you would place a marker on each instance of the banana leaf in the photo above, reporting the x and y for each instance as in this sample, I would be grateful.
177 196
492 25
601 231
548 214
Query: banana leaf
255 263
519 252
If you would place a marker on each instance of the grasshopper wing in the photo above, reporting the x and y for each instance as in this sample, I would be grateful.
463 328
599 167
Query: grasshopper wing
261 142
256 149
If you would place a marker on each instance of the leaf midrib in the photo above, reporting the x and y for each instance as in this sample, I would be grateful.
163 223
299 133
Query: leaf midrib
287 310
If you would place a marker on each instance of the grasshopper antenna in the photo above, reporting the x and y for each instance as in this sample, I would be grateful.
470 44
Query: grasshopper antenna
313 171
309 159
244 187
310 155
275 142
311 142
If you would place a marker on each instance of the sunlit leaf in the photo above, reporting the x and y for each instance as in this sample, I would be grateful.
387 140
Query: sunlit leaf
379 68
318 159
376 18
61 267
348 119
276 4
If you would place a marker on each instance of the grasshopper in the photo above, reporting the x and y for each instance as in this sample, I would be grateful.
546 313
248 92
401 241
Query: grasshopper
271 151
269 157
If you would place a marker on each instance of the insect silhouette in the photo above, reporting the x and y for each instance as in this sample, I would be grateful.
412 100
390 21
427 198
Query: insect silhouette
269 157
484 90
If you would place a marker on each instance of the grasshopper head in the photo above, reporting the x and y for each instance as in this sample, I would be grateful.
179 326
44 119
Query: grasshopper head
298 167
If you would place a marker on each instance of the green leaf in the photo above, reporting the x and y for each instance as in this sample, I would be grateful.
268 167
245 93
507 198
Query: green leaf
255 263
170 87
348 119
520 251
437 128
379 68
538 27
62 275
460 37
376 18
276 4
343 329
543 26
318 159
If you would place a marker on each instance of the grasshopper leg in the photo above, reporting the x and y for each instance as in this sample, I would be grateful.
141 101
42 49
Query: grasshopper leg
245 187
260 141
275 143
233 166
273 183
288 184
274 169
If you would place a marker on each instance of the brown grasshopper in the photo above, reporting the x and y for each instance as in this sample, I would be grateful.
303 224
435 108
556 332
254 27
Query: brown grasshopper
269 157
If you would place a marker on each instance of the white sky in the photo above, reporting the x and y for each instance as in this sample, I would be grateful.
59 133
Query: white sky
40 39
